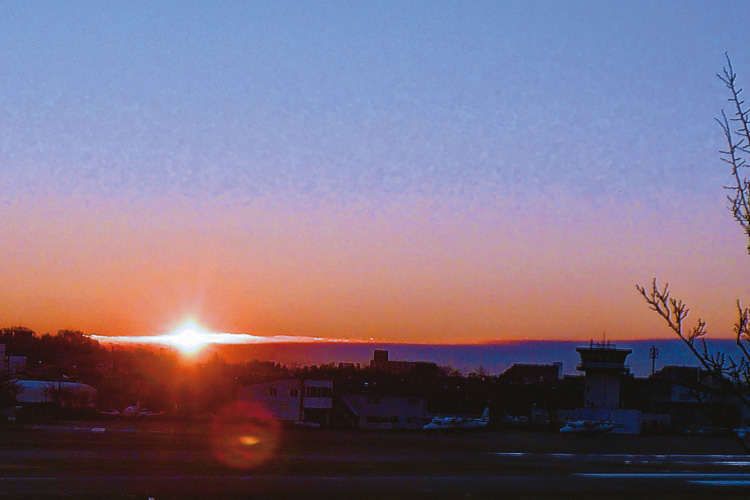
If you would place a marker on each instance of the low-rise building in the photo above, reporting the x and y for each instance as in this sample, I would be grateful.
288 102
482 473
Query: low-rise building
370 411
64 394
11 364
293 400
690 399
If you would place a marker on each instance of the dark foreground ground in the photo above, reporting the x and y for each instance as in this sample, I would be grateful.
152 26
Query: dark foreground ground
163 460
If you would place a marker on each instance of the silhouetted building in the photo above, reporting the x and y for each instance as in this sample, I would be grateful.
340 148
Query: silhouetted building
604 366
380 360
525 374
689 396
370 411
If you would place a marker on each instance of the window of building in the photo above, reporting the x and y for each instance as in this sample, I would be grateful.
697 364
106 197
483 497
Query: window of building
317 392
294 393
273 391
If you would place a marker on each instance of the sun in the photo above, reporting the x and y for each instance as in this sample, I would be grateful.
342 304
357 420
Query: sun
188 338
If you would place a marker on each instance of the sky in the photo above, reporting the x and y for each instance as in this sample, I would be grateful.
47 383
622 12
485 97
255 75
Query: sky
404 171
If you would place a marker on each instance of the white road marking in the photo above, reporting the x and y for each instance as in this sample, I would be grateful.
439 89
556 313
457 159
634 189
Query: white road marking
708 476
722 483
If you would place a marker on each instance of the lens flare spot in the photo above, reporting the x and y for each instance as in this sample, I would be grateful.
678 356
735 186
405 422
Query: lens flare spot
245 435
249 440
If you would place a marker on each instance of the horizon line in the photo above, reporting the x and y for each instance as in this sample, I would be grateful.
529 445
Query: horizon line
248 339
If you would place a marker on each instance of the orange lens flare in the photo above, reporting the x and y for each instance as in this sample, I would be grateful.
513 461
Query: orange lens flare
244 435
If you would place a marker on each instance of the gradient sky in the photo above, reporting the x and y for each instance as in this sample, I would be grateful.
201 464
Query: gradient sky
403 171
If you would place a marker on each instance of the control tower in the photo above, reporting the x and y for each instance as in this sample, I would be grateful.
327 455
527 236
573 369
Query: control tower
604 366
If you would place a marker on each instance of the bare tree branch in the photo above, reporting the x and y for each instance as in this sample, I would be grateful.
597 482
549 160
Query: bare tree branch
732 376
673 311
740 199
742 328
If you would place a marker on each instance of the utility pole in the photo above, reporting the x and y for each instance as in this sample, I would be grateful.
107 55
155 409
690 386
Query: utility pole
653 353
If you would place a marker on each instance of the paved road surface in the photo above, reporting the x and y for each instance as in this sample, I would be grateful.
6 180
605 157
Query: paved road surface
122 459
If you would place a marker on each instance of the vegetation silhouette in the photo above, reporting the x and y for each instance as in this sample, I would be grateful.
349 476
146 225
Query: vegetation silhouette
160 379
729 376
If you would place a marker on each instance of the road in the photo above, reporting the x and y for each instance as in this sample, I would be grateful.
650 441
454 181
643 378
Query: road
162 460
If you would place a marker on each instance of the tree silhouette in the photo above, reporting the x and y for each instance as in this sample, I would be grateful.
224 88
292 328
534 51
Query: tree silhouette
730 374
738 149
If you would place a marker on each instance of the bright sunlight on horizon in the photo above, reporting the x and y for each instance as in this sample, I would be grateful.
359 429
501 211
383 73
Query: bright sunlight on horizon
190 338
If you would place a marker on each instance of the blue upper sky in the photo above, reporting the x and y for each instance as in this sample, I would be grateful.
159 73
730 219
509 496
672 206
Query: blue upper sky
365 98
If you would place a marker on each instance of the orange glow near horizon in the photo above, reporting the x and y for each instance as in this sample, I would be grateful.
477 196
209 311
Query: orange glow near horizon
484 174
419 270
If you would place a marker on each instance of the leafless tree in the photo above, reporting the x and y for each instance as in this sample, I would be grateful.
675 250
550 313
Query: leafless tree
732 374
737 134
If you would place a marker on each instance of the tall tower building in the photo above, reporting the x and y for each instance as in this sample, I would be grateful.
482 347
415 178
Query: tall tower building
604 366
